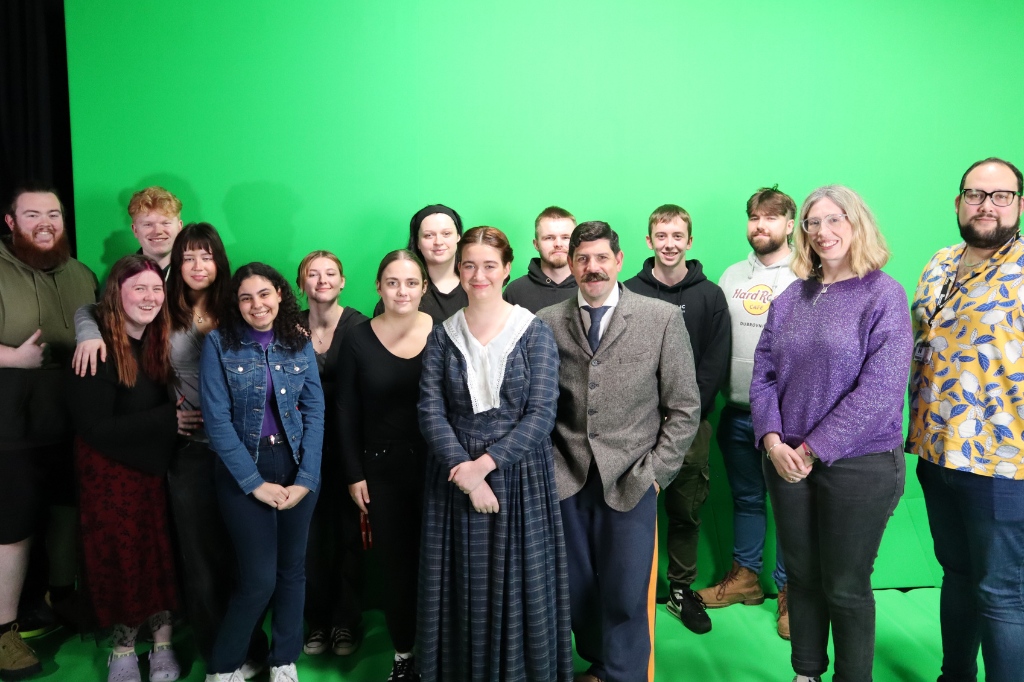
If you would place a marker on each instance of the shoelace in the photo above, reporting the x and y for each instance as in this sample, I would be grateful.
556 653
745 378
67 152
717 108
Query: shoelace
401 669
680 595
730 577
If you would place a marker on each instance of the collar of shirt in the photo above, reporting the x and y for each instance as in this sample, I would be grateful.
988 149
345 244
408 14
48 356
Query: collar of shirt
610 302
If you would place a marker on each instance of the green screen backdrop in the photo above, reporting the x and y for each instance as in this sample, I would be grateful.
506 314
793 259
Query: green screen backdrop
327 124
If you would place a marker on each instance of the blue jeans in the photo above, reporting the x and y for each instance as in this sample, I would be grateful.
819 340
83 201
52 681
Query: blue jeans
270 546
832 523
977 524
749 493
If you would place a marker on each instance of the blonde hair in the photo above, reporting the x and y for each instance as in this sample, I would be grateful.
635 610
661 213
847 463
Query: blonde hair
154 200
868 251
306 262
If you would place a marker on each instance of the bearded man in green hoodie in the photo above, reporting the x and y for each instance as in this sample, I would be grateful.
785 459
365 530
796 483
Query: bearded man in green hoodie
41 286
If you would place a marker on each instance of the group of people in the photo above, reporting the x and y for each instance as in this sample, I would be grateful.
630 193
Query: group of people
503 445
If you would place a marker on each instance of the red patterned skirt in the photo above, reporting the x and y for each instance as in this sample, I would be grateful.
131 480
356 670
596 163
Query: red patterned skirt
129 563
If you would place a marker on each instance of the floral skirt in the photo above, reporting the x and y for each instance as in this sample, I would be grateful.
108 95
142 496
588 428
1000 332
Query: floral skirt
126 543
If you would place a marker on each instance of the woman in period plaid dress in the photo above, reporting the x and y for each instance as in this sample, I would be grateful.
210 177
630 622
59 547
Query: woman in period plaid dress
493 598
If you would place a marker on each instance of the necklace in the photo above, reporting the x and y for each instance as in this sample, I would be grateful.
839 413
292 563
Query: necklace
200 317
822 292
318 337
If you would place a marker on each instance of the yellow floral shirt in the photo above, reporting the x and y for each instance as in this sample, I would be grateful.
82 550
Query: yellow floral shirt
966 402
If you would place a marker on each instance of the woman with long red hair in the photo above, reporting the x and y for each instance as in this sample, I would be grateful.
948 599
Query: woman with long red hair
126 425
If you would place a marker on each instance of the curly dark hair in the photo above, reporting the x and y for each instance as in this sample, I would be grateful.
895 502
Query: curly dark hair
288 328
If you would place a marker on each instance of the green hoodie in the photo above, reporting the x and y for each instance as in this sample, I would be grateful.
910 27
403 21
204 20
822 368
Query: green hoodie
32 399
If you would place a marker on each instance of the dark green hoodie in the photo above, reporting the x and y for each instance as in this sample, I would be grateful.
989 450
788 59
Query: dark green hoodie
32 400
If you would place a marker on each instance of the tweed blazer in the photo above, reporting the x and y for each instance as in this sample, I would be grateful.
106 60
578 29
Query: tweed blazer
632 407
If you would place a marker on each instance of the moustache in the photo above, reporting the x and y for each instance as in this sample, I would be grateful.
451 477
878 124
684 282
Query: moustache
595 277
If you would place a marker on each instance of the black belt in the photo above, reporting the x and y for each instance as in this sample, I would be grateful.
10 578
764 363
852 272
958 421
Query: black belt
272 440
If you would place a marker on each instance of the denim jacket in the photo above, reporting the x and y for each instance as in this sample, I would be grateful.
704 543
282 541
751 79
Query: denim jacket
233 397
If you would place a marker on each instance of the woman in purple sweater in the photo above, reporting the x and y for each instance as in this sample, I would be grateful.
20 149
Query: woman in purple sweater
830 376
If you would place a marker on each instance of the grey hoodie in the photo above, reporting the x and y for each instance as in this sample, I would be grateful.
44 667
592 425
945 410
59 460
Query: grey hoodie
749 288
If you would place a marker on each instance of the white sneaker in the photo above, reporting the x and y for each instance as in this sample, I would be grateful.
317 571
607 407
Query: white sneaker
251 669
284 673
225 677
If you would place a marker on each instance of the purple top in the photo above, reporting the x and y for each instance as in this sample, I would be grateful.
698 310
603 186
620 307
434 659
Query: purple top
832 370
271 420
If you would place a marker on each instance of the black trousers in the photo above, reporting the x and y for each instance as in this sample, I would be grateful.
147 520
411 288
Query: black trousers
334 560
394 479
831 524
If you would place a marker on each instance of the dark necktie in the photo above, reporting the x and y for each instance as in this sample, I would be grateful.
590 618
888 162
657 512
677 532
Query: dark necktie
594 335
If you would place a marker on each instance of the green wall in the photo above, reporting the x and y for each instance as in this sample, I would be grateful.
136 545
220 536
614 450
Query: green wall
326 124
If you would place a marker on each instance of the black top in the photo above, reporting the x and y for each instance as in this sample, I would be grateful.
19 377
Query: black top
327 364
377 396
535 290
438 305
706 314
135 426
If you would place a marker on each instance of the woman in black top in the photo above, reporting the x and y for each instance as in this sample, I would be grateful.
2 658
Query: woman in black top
382 449
433 236
333 560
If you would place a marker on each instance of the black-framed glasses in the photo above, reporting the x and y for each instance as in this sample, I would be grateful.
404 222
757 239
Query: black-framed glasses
1000 197
812 225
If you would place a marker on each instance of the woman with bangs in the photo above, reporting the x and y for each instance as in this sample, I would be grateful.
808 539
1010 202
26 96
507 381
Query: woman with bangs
829 380
125 422
333 554
198 288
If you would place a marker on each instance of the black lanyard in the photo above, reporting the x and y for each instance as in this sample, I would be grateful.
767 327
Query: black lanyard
952 285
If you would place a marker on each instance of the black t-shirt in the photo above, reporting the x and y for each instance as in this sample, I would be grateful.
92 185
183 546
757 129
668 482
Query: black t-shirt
376 398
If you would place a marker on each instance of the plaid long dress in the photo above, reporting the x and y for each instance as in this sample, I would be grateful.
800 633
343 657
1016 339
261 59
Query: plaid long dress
493 596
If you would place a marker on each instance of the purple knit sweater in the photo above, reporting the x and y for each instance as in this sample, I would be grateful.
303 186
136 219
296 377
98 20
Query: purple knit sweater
832 370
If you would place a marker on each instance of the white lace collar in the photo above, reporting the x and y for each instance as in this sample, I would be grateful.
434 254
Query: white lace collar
485 365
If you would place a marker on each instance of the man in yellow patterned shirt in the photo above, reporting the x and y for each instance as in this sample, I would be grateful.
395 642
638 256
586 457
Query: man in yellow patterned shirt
966 421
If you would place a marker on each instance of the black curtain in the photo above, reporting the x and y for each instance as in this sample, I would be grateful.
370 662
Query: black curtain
35 118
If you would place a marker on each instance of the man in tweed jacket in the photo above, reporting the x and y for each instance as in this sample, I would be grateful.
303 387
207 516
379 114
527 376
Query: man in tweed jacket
628 408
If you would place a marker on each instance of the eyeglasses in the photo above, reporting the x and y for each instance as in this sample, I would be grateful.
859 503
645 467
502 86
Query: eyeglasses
976 197
812 225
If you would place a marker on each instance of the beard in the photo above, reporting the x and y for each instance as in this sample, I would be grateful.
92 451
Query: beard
555 260
25 250
771 246
994 239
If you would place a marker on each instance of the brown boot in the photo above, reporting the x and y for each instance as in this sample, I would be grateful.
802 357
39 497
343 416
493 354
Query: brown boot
783 616
739 585
17 661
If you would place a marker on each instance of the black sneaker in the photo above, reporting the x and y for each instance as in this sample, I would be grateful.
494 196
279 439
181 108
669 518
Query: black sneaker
404 670
316 643
345 641
687 606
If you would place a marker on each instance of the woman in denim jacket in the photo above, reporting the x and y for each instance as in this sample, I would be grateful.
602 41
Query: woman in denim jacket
263 408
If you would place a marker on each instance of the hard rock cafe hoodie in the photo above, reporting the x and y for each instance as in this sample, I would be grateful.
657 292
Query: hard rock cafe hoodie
749 288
